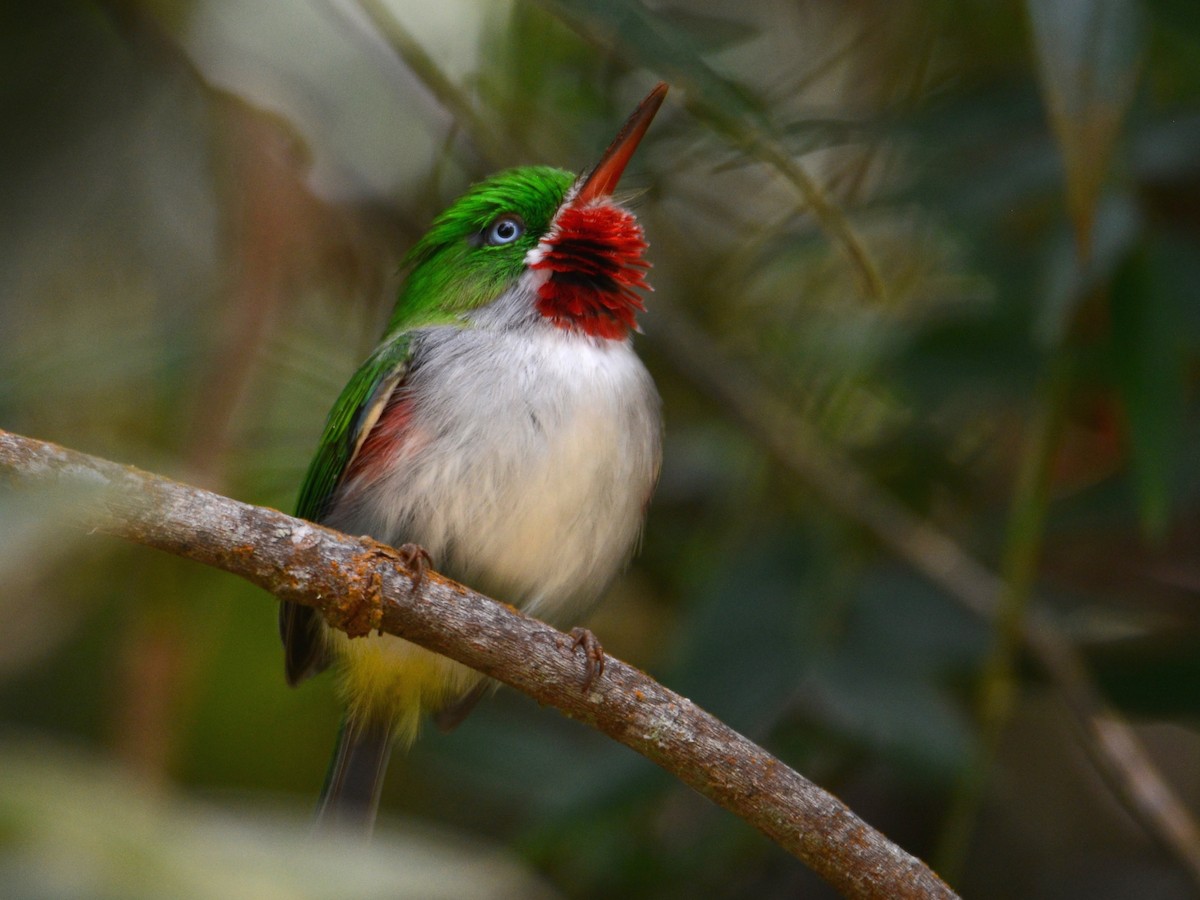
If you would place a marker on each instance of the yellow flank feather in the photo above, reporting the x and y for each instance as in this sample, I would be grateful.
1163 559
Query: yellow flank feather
386 677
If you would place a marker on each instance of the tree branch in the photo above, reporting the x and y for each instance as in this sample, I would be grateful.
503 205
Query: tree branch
361 585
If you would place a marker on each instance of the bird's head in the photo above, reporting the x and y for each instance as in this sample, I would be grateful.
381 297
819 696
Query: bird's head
582 251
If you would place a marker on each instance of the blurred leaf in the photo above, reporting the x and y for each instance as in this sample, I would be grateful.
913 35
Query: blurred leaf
70 827
1149 364
756 627
1178 14
1088 53
811 134
968 359
652 39
887 683
709 32
557 103
35 544
1116 224
1156 676
1168 150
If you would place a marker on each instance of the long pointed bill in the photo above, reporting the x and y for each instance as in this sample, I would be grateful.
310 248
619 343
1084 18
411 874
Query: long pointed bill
603 179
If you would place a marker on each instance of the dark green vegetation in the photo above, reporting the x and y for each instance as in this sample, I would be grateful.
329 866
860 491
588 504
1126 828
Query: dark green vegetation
957 241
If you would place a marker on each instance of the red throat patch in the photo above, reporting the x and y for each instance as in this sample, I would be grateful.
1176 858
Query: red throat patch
594 255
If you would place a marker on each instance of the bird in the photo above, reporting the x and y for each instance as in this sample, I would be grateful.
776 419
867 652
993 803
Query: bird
503 431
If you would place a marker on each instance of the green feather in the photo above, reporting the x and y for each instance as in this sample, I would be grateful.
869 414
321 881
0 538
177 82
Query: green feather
452 270
357 407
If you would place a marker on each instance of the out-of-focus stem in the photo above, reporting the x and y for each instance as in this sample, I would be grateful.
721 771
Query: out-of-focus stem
1022 550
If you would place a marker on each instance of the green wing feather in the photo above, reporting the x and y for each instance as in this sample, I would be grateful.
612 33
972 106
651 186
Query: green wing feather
352 417
356 409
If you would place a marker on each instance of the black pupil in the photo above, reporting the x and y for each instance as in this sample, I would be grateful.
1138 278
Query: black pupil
505 230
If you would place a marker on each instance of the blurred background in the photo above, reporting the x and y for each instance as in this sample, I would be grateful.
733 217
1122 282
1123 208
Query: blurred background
926 321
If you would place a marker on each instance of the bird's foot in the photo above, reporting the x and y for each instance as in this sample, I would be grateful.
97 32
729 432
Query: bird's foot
416 558
593 655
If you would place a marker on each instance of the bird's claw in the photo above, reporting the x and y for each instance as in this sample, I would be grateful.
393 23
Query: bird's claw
593 655
416 558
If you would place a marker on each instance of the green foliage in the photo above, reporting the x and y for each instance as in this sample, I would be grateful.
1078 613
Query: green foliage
898 217
1149 359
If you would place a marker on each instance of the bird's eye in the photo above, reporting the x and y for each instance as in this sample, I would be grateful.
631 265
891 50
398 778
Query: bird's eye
504 230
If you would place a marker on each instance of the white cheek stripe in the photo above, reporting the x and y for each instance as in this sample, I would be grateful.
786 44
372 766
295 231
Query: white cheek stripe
538 253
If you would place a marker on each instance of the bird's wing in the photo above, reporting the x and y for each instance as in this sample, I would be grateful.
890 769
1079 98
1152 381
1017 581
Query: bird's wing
350 421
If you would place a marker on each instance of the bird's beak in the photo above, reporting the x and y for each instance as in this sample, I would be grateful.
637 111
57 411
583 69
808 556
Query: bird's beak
603 179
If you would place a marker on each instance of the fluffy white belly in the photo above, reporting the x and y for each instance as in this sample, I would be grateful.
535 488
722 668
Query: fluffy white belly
527 466
524 471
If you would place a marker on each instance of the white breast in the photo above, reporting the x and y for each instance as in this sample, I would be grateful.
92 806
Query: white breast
533 452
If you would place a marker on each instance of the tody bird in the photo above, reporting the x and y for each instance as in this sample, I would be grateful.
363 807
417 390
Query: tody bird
503 428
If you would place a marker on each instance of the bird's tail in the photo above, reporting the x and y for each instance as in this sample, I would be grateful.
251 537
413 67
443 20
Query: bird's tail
350 797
